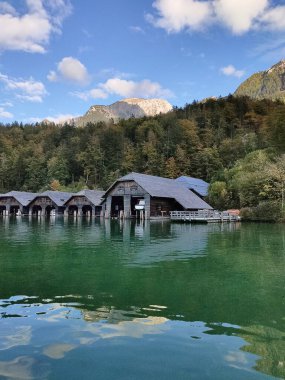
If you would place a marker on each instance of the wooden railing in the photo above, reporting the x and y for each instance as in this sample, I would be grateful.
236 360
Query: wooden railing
203 216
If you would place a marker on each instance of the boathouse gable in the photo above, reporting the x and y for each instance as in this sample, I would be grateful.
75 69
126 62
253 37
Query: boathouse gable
127 188
49 202
85 202
15 202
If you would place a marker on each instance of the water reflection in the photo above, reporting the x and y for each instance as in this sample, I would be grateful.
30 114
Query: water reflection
155 300
180 341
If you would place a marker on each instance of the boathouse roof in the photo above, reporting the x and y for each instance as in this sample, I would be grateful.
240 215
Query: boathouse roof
166 188
195 184
58 197
94 196
23 197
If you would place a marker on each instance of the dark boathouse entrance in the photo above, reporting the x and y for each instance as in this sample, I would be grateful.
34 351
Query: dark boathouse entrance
84 203
117 206
49 203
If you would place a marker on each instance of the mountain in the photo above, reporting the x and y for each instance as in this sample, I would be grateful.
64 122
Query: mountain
124 109
269 84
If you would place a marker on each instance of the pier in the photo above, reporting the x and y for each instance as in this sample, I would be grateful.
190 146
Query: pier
203 216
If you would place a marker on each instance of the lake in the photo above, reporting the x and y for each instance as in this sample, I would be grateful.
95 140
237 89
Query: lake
85 299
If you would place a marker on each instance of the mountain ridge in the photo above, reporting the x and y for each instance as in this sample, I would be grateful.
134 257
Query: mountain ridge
267 84
123 109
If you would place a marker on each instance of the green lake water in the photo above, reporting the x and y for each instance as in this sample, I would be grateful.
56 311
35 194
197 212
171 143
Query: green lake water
108 300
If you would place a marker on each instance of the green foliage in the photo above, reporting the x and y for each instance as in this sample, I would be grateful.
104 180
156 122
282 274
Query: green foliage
269 211
276 128
219 195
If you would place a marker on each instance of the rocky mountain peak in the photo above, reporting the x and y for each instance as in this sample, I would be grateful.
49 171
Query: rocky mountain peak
124 109
278 66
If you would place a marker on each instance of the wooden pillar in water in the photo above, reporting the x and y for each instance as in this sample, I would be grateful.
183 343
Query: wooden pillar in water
127 206
108 207
147 206
43 212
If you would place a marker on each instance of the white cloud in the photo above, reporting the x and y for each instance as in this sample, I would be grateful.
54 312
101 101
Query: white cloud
111 72
275 18
52 76
71 70
7 8
7 104
5 114
31 31
129 88
57 119
126 89
230 70
238 16
27 90
137 29
95 93
181 14
59 10
61 118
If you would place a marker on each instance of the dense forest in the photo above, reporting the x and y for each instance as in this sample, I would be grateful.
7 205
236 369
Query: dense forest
235 143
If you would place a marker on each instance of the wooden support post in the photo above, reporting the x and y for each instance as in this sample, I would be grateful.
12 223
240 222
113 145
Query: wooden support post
147 206
127 206
108 207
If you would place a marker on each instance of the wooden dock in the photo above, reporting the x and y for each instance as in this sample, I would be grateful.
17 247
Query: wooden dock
203 216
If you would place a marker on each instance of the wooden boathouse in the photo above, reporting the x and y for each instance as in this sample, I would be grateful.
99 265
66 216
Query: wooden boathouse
84 203
159 196
15 202
48 203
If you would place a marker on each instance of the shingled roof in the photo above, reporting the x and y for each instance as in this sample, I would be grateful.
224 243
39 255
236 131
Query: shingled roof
166 188
94 196
195 184
23 197
58 197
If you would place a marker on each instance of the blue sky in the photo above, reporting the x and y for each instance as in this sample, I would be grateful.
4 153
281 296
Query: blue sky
59 57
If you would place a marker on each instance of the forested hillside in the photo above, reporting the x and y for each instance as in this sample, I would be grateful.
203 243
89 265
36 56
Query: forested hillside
235 143
268 84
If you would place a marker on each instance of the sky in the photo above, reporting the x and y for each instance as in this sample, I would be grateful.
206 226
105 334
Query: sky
59 57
